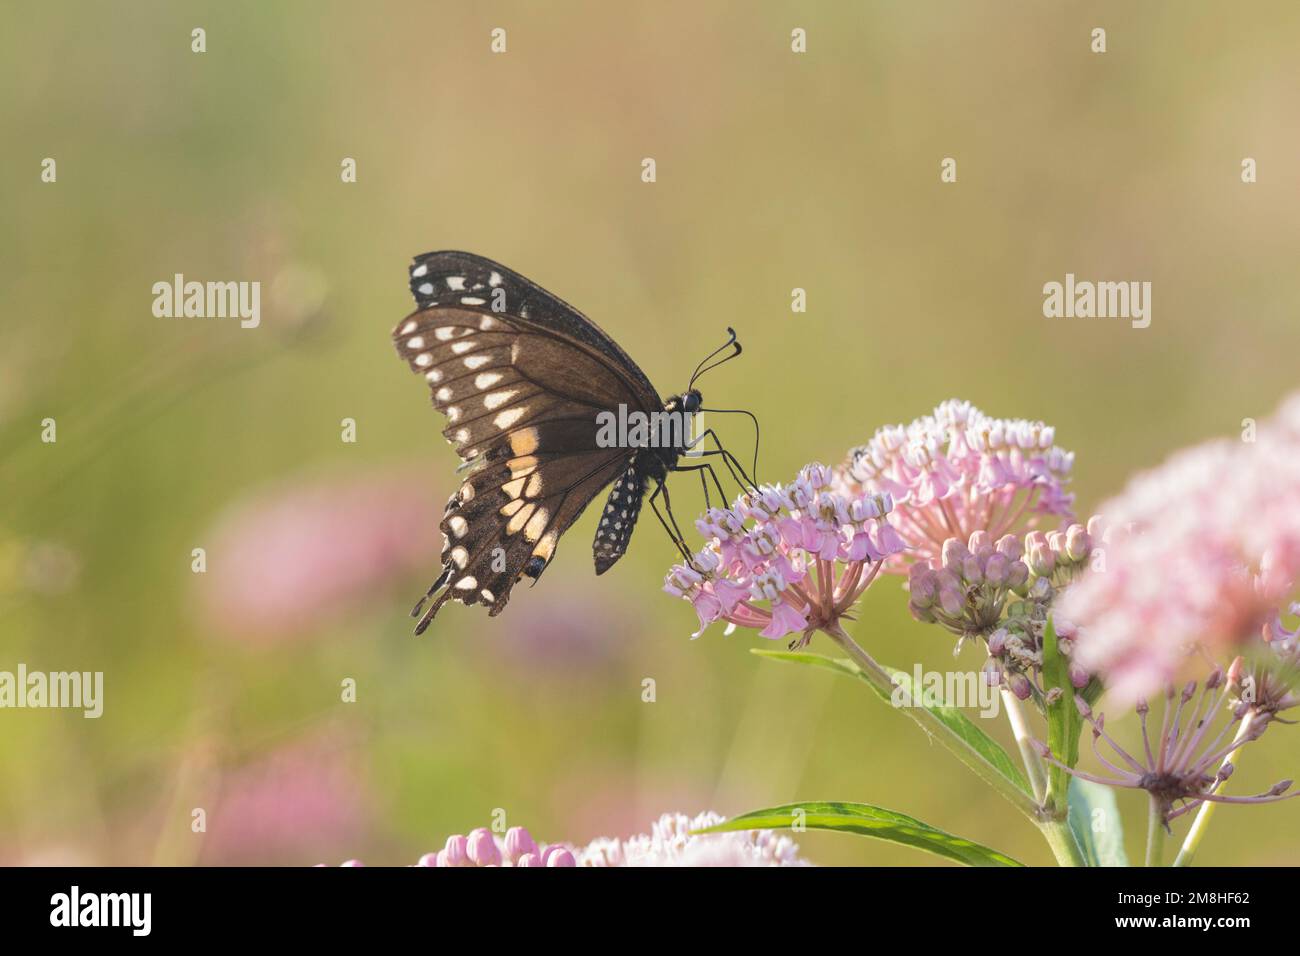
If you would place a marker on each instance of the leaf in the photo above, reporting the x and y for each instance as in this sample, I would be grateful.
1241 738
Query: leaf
1064 722
981 743
1096 824
867 820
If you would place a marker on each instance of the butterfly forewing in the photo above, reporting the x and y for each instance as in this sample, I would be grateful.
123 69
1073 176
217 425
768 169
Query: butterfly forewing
521 377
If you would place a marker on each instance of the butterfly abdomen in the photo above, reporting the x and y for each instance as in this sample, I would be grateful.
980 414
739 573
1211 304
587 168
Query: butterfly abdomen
614 530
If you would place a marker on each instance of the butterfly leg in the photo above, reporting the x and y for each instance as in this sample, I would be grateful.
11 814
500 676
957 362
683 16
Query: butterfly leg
704 468
728 459
674 532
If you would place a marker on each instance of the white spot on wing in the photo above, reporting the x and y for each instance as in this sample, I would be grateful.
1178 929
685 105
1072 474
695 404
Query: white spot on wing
509 417
497 399
426 288
487 380
458 525
419 271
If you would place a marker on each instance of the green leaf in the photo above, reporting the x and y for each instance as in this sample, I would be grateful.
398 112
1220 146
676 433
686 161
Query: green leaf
1095 822
1064 722
961 725
866 820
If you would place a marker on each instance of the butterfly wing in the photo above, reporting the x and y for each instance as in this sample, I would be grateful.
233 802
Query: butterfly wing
521 377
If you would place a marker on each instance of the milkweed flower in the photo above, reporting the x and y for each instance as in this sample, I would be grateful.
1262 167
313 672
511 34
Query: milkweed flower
958 471
787 559
670 842
1180 767
1213 553
1002 592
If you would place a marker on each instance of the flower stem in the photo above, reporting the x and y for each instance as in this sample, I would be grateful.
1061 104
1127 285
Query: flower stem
1061 839
1197 830
1033 763
932 725
1155 834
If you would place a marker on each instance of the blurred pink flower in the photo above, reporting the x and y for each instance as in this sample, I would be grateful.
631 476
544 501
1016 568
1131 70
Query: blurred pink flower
283 562
1213 553
669 843
809 555
287 803
549 640
958 471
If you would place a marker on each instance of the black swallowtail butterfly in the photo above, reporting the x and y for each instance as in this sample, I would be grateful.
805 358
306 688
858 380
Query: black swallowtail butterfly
523 379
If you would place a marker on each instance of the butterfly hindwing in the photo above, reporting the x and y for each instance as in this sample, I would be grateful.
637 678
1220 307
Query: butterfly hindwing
521 377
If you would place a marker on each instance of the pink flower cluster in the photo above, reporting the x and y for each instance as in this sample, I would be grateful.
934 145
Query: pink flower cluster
788 559
958 471
1213 553
482 847
669 843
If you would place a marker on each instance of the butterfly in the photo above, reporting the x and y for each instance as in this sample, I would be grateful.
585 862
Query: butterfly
528 385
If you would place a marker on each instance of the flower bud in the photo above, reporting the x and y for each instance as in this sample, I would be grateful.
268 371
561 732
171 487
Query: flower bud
1020 686
519 842
561 857
954 552
951 600
1010 545
997 568
482 848
1077 543
455 853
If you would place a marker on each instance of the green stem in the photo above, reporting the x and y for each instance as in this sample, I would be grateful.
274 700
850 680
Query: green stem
1033 762
1192 842
936 728
1155 834
1061 839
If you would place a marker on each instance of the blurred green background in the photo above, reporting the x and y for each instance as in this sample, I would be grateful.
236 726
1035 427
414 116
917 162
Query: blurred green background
775 171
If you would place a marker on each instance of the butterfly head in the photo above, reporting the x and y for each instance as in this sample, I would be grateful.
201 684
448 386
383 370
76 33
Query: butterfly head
692 401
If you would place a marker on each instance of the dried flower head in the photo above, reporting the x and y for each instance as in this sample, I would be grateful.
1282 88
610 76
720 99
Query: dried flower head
1180 767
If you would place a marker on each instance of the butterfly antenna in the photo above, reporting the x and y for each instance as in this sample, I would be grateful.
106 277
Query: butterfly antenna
704 366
